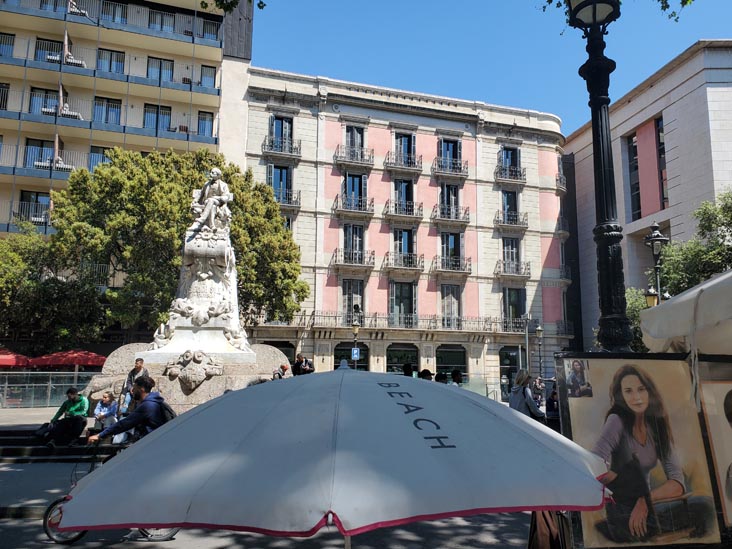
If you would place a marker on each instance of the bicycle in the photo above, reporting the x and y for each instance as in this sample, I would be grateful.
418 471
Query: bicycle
54 512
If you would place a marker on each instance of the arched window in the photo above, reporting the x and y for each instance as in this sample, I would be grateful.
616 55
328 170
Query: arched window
343 351
398 354
450 357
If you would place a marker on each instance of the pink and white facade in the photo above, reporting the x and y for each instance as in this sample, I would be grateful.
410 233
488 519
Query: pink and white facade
439 218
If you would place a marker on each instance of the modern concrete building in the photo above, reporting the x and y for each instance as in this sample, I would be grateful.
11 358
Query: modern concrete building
439 218
672 150
80 76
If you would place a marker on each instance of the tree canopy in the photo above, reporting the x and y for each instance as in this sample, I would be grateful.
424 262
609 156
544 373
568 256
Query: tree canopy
132 213
686 264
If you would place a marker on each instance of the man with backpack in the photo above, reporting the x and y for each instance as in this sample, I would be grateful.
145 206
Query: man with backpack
150 413
302 366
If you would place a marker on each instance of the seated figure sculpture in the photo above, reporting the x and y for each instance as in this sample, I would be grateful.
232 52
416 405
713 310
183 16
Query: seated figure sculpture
211 203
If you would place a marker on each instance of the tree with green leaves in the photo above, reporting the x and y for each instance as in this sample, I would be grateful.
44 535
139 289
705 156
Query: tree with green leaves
636 302
132 214
53 309
686 264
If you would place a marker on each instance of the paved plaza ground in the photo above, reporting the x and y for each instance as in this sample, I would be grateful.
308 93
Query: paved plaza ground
27 488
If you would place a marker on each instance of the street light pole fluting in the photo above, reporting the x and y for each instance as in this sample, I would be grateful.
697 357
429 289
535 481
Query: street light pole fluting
593 17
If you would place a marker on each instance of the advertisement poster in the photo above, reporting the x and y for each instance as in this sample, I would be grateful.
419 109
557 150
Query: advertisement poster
717 403
637 414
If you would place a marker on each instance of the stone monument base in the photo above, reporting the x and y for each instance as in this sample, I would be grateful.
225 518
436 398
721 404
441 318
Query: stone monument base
181 388
211 339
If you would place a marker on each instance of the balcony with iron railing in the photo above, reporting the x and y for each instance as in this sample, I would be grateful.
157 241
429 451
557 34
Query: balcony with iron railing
512 269
139 18
396 261
353 157
403 210
448 167
508 325
353 206
288 199
565 328
49 55
278 147
334 319
36 161
452 265
511 221
345 258
449 214
399 162
562 227
13 212
565 274
561 183
508 173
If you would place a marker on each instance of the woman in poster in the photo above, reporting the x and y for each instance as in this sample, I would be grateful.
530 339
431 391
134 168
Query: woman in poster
577 383
635 438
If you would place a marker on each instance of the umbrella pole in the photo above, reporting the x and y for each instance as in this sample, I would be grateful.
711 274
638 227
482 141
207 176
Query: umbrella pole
347 544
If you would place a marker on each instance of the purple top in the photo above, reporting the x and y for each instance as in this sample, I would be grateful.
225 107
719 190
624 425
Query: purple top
617 447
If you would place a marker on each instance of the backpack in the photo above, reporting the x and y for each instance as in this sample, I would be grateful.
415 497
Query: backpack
168 412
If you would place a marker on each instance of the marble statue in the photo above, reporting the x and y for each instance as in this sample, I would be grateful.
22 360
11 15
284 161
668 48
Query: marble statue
204 316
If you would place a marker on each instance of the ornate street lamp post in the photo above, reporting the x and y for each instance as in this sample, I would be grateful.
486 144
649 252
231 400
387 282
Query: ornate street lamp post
655 240
593 17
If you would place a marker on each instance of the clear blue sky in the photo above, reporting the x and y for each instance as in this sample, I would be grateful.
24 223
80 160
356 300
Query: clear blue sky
505 52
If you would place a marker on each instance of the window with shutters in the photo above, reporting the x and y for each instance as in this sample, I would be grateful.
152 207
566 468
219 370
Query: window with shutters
355 195
509 164
405 153
449 154
511 250
280 179
353 245
352 295
449 201
450 294
355 143
402 304
404 197
280 134
514 303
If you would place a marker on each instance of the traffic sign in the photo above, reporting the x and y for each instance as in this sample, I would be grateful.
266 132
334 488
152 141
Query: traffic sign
355 354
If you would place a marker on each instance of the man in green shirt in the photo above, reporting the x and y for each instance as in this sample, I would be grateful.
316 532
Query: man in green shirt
68 429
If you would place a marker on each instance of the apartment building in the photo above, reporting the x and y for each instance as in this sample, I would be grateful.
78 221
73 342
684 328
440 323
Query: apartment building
434 224
80 76
671 142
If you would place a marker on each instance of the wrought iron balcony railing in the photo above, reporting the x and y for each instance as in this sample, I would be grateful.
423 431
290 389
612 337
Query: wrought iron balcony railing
565 272
453 264
353 155
565 327
288 198
354 204
396 260
512 219
403 208
561 183
443 165
347 256
277 145
512 268
562 225
510 173
400 161
449 212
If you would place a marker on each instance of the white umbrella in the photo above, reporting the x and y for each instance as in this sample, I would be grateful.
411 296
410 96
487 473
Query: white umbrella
362 450
699 319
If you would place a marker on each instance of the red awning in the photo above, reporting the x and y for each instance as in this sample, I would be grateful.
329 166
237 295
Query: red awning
9 358
69 358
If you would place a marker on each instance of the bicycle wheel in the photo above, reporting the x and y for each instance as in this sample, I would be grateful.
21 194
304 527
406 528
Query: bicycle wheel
158 534
51 520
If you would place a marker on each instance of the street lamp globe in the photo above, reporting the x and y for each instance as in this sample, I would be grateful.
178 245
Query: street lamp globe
584 14
651 296
655 240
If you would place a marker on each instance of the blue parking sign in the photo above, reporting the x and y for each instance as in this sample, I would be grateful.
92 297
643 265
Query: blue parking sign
355 354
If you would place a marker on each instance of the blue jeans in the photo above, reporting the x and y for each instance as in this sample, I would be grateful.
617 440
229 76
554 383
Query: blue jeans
126 403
